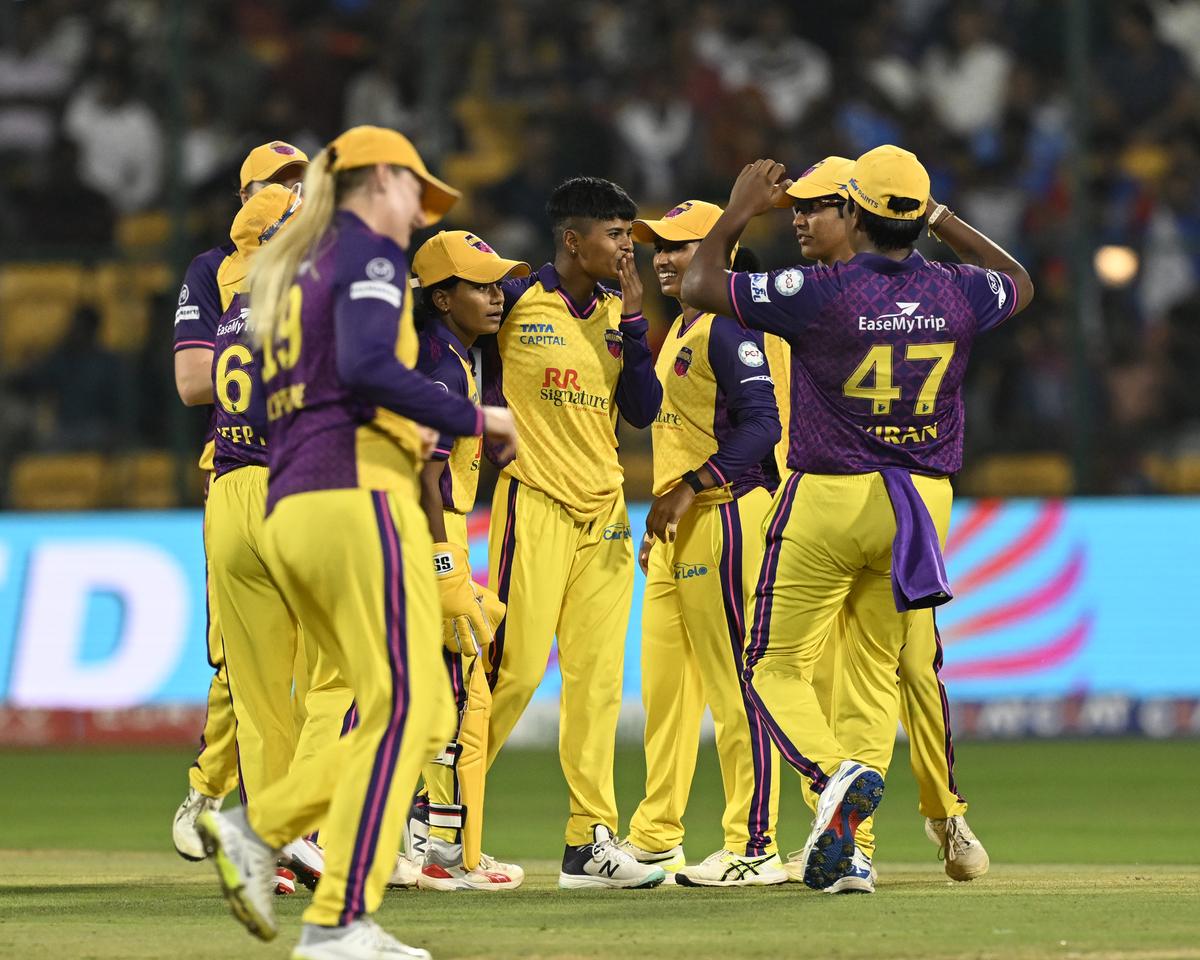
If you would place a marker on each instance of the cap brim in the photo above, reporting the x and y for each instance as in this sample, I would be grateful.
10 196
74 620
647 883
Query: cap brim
807 188
437 198
494 270
647 231
270 173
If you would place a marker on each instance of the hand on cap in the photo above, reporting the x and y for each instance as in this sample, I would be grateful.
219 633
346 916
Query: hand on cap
759 187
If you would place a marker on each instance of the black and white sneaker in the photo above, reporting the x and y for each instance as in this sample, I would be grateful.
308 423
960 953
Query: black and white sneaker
602 863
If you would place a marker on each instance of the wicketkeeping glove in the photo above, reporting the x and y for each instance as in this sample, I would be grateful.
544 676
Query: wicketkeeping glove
470 612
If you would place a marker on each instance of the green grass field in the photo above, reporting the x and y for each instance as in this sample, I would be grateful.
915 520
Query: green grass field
1094 845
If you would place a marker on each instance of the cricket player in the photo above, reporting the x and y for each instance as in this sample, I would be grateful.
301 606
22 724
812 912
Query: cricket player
461 300
202 300
260 639
701 551
346 540
570 355
879 350
818 200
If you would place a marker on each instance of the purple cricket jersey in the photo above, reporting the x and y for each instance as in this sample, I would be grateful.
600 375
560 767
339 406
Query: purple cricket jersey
441 359
879 351
240 413
342 358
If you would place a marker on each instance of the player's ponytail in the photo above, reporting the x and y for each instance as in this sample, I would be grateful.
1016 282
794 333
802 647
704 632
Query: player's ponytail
274 268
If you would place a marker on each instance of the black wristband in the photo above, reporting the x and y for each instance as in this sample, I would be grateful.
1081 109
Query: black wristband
692 479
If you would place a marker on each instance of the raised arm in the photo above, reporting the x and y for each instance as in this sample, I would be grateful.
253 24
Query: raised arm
973 247
639 394
758 188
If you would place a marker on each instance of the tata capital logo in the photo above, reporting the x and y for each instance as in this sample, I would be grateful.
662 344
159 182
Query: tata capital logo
539 335
686 571
617 531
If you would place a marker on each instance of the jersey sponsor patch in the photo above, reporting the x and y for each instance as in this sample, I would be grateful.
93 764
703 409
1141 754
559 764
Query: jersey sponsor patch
187 313
377 290
750 354
381 268
997 287
789 282
758 288
184 293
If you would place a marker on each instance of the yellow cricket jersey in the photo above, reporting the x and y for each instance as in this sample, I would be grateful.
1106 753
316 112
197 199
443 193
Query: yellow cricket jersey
565 369
779 359
451 365
718 409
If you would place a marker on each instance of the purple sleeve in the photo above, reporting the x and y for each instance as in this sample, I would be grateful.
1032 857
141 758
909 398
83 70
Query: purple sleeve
639 393
199 306
781 301
442 367
740 367
992 294
514 289
365 329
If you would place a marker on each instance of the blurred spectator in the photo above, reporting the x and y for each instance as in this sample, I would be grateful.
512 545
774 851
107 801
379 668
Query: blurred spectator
119 139
965 79
53 207
1178 23
207 141
656 128
791 73
384 92
1143 80
75 389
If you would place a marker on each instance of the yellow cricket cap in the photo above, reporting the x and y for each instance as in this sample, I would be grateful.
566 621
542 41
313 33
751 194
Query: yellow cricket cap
886 173
457 253
691 220
263 216
366 146
823 179
265 161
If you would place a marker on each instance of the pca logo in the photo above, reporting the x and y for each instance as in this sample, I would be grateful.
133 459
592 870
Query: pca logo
683 361
617 531
749 354
382 269
686 571
612 339
789 282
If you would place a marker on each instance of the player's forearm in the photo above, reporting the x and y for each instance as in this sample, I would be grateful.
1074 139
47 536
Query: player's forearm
973 247
193 376
751 442
639 394
706 282
431 499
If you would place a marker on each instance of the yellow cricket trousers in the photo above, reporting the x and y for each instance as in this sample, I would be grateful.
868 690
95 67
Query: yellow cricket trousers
214 772
355 568
262 645
828 552
693 627
574 580
441 781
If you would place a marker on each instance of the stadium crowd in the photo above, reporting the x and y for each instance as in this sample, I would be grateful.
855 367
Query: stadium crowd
669 98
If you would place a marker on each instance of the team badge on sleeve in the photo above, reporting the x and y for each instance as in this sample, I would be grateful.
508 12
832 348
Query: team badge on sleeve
750 354
758 288
381 268
683 361
612 339
184 293
997 287
789 282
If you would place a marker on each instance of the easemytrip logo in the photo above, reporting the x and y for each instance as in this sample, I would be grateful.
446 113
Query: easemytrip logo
539 335
617 531
686 571
557 389
905 320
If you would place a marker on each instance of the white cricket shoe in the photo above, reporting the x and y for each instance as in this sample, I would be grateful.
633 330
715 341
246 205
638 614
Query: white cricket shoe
965 857
669 861
245 867
183 829
728 869
363 939
305 859
602 863
860 878
850 796
406 874
416 834
444 870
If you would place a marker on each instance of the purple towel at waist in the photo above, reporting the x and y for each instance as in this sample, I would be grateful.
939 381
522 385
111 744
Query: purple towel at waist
918 570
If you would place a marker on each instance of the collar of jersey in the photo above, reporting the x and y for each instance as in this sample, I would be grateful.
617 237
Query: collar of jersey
344 219
442 332
878 263
684 326
549 279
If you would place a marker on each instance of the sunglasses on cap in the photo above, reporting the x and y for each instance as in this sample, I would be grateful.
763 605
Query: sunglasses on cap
808 207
